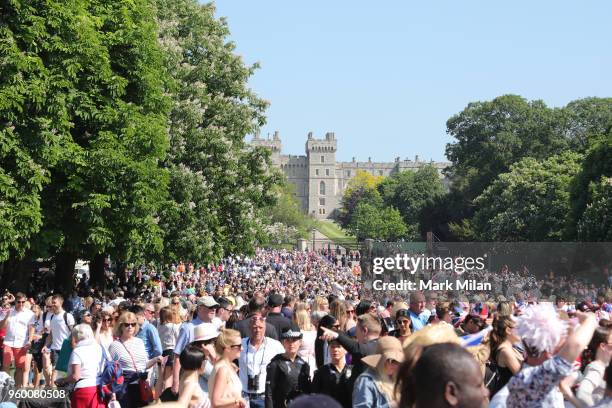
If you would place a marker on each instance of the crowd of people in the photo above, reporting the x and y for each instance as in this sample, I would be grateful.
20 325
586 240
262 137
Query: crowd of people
297 329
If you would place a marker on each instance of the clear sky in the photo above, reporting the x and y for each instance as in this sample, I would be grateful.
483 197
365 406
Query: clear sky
386 75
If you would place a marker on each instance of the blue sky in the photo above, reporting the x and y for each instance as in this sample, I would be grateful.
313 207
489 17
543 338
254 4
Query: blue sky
385 76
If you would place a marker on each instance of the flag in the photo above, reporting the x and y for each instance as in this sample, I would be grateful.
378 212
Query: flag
475 339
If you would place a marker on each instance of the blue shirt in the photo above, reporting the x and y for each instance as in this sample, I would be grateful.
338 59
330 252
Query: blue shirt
366 394
150 337
185 335
419 321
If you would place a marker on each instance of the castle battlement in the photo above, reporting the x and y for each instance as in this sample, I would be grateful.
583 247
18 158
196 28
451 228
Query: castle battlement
320 180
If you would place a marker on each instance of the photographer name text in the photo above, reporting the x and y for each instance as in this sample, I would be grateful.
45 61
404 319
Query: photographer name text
407 285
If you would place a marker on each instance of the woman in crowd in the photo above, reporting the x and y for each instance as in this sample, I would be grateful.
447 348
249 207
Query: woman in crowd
443 313
375 387
338 310
404 325
192 365
309 332
169 325
130 352
320 304
507 358
104 329
351 317
595 358
83 368
224 386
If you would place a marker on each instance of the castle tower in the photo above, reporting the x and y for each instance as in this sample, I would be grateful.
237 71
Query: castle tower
274 144
322 184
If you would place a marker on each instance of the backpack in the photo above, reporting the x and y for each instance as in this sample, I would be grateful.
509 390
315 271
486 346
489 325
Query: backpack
110 378
52 315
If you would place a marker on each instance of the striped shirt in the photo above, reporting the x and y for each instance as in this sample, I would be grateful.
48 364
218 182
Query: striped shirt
137 350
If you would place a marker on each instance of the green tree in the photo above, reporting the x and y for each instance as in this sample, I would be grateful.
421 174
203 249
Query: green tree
361 188
370 221
595 224
218 185
585 119
491 136
90 80
529 203
596 166
411 192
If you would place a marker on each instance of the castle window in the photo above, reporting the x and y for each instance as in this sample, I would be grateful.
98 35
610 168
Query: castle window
322 159
327 172
316 172
348 173
323 211
322 188
322 201
380 172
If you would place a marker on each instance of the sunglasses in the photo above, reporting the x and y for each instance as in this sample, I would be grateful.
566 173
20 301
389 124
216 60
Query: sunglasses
236 346
21 301
108 319
350 311
129 324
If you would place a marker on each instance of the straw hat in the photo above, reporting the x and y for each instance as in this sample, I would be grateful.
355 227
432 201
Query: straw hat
389 348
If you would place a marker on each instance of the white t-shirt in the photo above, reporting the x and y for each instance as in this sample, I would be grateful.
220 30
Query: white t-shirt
88 355
59 330
17 328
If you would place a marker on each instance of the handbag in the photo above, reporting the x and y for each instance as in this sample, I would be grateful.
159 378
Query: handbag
146 393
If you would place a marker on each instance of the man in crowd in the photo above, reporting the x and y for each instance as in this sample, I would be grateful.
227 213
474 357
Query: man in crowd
418 313
288 305
147 333
19 323
257 352
274 317
446 376
60 327
206 308
244 326
367 333
225 309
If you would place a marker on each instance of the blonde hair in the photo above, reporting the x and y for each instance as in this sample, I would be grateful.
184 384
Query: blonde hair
317 305
385 384
123 318
302 319
223 341
300 306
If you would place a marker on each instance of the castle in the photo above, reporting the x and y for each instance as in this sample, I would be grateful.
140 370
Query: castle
320 180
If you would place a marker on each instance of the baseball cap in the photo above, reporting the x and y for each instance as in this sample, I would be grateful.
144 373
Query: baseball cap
207 301
275 300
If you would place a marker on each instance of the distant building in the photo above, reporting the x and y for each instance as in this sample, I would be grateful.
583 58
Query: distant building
320 180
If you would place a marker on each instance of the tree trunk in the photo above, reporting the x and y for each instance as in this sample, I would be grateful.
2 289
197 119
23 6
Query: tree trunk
96 272
64 271
15 273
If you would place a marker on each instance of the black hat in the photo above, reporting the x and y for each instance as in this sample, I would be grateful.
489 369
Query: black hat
275 300
292 332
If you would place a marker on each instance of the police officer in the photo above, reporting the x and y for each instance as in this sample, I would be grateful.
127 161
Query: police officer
287 375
